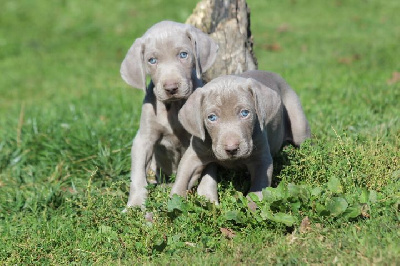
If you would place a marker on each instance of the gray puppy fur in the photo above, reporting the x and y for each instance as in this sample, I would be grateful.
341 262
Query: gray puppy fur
174 55
239 121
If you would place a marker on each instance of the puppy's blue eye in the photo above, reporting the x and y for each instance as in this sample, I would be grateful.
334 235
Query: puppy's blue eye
244 113
152 61
183 55
212 117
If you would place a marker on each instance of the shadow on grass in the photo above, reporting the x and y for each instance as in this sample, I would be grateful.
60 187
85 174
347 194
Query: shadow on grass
240 178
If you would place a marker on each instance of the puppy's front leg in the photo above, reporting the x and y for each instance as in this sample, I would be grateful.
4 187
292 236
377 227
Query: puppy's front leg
190 167
141 154
208 186
261 174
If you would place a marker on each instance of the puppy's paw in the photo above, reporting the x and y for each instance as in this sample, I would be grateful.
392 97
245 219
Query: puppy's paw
178 191
208 189
137 198
208 194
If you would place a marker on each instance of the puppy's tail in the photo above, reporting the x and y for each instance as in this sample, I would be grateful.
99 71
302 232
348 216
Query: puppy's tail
296 120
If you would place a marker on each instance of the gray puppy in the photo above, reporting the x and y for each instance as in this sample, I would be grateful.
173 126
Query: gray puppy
174 55
239 121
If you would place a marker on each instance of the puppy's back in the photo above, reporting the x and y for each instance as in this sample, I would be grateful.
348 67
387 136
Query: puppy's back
297 127
269 79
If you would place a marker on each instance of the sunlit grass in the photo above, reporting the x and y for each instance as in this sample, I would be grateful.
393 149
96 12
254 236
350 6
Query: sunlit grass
67 121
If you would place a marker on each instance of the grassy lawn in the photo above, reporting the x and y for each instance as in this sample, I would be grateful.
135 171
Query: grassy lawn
67 121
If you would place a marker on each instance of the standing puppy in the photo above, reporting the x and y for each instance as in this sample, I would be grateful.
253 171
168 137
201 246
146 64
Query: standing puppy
174 55
240 121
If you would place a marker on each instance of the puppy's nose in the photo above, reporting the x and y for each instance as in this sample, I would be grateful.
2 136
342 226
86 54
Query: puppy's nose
232 148
171 87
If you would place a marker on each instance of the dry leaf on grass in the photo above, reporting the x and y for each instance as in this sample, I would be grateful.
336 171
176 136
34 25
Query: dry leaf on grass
305 225
292 237
252 206
365 211
272 47
394 79
149 217
228 233
283 28
349 59
69 189
190 244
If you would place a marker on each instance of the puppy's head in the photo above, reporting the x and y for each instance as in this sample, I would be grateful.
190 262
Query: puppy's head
174 55
230 109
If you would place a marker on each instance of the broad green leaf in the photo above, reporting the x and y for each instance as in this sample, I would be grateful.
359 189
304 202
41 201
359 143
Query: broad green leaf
321 209
278 205
316 191
337 206
373 196
284 218
334 185
253 197
304 194
268 194
243 200
364 196
258 217
352 212
368 196
281 191
396 174
297 192
293 190
176 203
266 213
174 239
295 206
234 216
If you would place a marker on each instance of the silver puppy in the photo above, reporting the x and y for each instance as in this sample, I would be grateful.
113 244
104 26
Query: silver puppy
239 121
174 55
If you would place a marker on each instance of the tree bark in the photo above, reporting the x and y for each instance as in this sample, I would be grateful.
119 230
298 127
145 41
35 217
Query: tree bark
228 23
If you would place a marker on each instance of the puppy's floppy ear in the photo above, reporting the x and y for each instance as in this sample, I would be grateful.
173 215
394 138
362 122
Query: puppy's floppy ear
191 115
267 101
132 68
204 48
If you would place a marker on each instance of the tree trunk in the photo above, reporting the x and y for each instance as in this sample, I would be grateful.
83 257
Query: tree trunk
228 23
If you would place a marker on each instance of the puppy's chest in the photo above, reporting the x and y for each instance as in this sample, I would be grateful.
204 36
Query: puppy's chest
233 164
173 134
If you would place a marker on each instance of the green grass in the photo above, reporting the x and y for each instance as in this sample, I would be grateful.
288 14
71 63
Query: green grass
67 121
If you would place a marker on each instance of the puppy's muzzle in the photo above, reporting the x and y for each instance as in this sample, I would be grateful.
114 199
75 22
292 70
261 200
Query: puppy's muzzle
171 87
231 146
232 149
